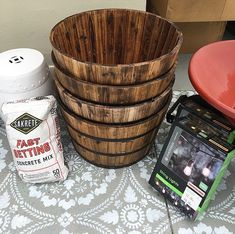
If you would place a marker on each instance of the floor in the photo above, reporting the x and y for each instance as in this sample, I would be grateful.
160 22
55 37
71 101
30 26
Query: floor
182 81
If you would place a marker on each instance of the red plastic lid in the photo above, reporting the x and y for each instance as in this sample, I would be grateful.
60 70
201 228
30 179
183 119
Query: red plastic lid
212 73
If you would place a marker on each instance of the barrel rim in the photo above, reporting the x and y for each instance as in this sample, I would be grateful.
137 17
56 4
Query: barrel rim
112 139
173 51
163 94
145 141
117 125
76 79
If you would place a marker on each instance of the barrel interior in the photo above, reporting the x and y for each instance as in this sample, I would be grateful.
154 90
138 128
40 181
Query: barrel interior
114 36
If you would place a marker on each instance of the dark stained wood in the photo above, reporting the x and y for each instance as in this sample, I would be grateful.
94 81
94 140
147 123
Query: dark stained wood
107 161
110 94
112 147
116 46
112 114
114 72
113 131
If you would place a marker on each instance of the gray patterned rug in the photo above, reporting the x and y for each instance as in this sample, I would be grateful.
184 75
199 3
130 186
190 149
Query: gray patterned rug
96 200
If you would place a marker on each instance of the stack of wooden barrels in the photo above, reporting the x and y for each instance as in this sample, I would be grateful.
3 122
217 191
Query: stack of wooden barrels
114 72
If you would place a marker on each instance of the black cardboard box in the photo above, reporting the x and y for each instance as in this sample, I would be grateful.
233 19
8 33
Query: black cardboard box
192 162
195 105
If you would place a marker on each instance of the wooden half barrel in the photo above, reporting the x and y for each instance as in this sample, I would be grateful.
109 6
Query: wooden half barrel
113 131
115 46
111 94
112 161
113 114
112 146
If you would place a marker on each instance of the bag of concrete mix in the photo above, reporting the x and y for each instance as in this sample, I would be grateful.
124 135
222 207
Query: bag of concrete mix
33 132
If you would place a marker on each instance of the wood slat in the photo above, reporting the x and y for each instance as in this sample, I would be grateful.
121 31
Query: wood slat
113 131
101 160
118 95
112 147
112 114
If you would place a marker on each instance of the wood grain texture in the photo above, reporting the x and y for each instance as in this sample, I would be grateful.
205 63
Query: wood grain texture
112 147
111 94
113 131
115 46
106 161
112 114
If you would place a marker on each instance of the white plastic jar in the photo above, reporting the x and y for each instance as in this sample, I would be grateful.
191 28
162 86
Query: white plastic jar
23 74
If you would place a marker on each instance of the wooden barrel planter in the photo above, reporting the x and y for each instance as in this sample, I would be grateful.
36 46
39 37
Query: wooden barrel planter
113 114
111 94
112 146
115 46
113 131
112 161
114 72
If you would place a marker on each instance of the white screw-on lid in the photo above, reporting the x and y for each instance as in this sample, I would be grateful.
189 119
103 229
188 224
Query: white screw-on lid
22 70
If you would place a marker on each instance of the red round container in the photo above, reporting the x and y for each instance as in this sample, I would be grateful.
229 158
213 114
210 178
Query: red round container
212 73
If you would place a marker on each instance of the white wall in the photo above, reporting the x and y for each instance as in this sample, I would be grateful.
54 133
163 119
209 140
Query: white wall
27 23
